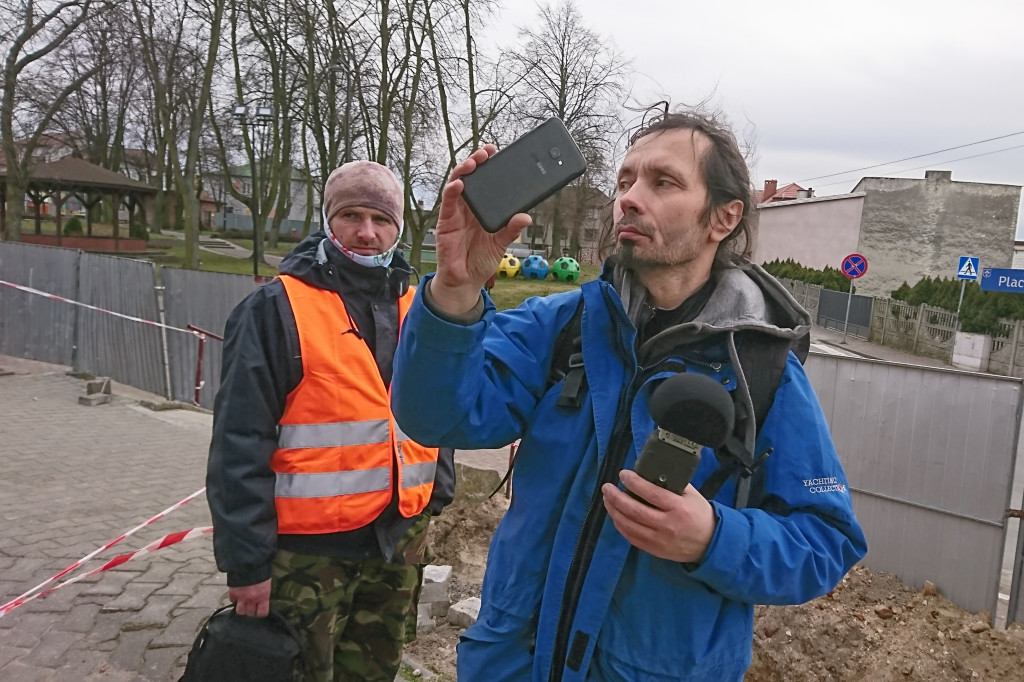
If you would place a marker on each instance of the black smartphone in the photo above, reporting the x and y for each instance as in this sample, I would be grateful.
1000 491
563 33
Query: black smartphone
523 174
668 460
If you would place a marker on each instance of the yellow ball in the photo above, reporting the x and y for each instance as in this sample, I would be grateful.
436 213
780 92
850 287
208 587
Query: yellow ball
509 266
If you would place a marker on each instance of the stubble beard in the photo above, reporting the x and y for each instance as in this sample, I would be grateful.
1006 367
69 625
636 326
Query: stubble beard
636 257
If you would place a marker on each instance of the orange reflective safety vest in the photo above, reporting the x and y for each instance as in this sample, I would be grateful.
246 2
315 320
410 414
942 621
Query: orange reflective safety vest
338 447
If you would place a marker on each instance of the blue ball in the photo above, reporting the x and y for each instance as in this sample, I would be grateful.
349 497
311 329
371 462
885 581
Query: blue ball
535 267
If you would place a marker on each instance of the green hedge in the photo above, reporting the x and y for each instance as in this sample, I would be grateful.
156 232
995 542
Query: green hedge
829 278
980 313
981 310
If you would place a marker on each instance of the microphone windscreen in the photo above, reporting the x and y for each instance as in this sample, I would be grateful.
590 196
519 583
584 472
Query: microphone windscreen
694 406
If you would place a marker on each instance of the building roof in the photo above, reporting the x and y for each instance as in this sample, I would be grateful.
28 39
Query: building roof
72 173
811 200
785 193
929 176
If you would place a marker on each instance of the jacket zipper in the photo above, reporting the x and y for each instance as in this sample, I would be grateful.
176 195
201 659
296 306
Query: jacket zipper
586 542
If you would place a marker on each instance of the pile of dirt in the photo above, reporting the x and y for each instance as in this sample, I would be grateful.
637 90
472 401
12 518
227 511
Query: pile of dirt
871 628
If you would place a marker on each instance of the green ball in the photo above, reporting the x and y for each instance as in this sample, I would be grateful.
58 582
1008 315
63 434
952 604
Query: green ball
565 269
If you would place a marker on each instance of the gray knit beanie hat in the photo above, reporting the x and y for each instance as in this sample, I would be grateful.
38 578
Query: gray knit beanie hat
364 183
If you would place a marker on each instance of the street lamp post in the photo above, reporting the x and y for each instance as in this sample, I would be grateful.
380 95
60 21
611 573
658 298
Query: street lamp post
260 117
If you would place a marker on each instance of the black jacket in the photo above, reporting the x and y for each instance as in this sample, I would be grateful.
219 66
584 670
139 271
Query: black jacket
262 365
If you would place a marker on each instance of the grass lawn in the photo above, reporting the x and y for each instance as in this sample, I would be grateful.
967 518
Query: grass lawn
282 248
173 256
509 293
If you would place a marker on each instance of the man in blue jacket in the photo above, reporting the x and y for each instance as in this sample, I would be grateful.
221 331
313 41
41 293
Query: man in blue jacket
584 582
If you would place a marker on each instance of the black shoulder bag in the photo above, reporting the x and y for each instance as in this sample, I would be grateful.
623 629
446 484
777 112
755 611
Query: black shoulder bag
230 647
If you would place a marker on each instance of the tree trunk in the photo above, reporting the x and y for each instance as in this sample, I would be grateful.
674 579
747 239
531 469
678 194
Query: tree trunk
556 226
15 204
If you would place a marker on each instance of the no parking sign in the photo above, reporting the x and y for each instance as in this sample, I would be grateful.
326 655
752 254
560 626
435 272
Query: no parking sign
855 265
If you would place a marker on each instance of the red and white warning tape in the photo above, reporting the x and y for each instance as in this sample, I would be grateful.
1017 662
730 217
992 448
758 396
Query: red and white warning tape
54 297
165 541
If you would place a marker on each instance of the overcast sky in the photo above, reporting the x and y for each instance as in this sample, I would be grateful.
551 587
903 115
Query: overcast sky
830 87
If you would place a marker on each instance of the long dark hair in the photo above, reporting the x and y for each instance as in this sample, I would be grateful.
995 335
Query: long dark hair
724 169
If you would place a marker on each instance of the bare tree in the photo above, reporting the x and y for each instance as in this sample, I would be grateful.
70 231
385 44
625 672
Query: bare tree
469 95
179 39
329 53
160 28
94 118
571 72
263 75
32 31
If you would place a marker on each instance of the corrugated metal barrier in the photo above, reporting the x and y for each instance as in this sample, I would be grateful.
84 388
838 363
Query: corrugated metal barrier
32 326
121 349
929 455
203 299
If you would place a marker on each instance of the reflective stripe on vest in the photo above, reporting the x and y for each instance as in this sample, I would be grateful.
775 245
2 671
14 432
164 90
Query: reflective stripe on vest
351 482
339 449
330 435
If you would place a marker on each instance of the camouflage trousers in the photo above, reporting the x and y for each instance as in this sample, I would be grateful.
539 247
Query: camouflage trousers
355 615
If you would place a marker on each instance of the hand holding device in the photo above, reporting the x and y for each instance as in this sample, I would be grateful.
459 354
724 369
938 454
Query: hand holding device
690 411
492 189
466 255
522 175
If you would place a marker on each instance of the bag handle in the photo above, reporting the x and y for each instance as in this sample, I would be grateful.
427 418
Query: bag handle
200 640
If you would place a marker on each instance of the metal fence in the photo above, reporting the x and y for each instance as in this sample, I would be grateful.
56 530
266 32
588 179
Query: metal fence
89 338
838 310
119 348
42 328
203 300
32 326
929 454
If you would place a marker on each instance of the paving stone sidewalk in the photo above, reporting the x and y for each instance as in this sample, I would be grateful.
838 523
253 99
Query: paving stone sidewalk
76 477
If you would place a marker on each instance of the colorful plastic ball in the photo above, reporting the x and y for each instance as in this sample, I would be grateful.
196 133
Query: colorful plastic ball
535 267
566 269
509 266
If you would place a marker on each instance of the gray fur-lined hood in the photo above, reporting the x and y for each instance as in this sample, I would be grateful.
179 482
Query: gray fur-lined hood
746 298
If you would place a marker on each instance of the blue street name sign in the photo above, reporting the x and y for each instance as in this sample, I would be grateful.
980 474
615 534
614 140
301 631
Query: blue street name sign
968 268
1002 279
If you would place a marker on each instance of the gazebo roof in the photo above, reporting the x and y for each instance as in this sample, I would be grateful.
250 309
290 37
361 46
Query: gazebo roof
74 174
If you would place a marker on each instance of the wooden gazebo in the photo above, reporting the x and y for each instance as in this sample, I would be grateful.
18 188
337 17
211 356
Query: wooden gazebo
89 183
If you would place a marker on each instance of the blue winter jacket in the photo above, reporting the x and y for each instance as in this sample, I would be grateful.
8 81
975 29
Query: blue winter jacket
637 617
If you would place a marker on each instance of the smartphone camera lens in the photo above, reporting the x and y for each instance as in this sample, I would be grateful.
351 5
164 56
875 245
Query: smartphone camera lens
555 152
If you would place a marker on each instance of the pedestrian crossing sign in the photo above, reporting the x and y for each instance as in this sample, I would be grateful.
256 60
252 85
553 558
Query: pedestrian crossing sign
968 268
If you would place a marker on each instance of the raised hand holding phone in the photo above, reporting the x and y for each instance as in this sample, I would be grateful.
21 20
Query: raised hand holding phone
483 207
467 255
